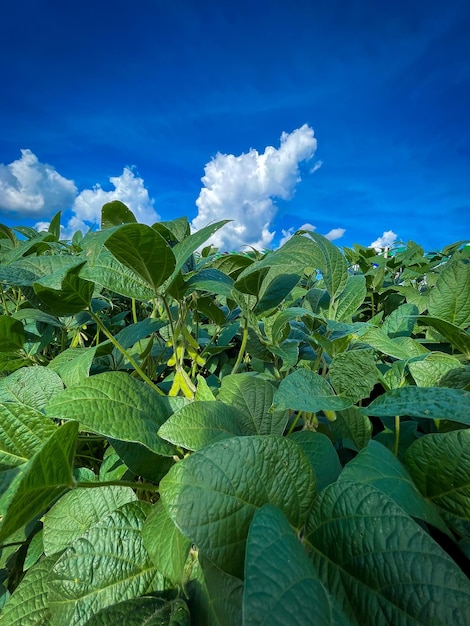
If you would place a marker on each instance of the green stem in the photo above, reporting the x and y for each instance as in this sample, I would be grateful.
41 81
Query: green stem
5 308
241 352
125 353
397 434
294 423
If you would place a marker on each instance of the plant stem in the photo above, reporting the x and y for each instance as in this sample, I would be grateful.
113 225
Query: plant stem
125 353
397 434
294 423
241 352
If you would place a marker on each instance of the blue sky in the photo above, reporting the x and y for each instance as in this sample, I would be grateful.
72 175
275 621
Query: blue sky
351 116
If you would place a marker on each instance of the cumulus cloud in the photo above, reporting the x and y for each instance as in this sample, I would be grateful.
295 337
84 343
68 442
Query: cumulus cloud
243 188
32 189
385 241
334 233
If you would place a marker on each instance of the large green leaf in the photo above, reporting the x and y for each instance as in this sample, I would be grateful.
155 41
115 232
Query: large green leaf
73 364
398 348
332 265
213 281
77 511
115 213
253 396
440 467
429 402
144 611
449 299
322 456
379 467
428 372
401 321
276 286
304 390
281 585
12 335
33 386
46 476
354 373
167 546
213 494
73 295
380 565
107 271
29 605
106 565
23 430
144 251
201 422
351 298
115 405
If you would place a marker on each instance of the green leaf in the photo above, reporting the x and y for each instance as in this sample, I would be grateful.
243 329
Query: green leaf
353 427
73 296
106 565
144 251
111 274
440 467
212 495
116 213
215 597
33 386
379 467
79 510
115 405
213 281
143 611
378 339
23 431
429 371
457 337
200 423
304 390
450 297
29 605
401 321
167 546
276 286
351 298
281 585
12 335
379 564
46 476
429 402
332 265
253 397
73 364
322 456
354 373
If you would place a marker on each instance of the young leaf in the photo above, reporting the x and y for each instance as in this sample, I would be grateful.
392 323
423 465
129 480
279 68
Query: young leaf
115 405
253 397
440 467
333 265
200 423
115 213
304 390
430 402
281 585
213 494
167 546
144 251
12 335
380 565
44 478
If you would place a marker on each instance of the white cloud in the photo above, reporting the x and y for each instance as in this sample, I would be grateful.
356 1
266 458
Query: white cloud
128 188
385 241
242 188
335 233
31 188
